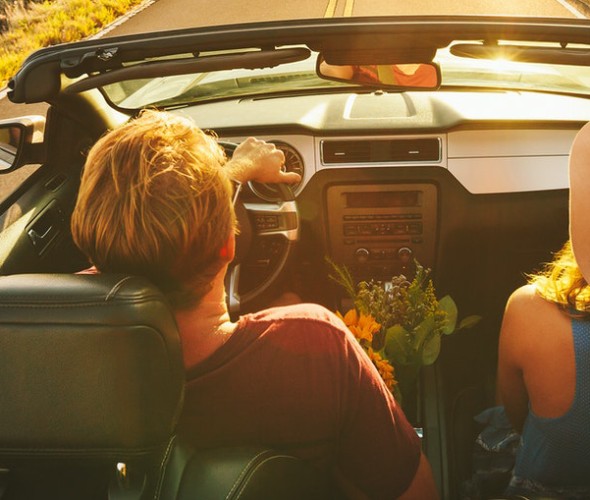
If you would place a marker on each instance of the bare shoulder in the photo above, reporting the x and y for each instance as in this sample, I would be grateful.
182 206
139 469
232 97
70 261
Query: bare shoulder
582 139
578 162
526 300
528 316
580 198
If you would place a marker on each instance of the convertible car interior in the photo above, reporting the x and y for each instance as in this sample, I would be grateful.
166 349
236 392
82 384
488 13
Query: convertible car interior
464 171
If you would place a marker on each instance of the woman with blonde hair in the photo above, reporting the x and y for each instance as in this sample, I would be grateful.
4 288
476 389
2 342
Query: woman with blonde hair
544 357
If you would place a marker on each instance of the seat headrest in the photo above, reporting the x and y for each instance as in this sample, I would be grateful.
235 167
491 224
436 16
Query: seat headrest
90 367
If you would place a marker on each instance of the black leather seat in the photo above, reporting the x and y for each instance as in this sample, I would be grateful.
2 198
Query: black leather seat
91 385
245 473
90 376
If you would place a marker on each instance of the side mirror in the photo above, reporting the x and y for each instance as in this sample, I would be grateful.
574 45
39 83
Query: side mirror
20 141
10 142
414 76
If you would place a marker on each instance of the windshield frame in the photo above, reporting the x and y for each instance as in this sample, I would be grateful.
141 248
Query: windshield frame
59 66
300 77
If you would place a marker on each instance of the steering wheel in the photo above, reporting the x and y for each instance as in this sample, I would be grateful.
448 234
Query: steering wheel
268 233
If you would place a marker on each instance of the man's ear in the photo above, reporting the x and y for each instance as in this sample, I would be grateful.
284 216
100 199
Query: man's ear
228 251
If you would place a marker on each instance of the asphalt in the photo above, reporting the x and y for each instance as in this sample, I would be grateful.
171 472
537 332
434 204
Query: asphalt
128 22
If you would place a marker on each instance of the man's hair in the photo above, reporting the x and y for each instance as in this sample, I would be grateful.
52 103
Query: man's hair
155 201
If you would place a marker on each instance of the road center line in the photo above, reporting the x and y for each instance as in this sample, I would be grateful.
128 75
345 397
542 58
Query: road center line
348 6
571 8
331 8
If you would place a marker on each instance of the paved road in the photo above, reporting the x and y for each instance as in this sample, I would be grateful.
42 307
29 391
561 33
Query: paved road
164 14
184 14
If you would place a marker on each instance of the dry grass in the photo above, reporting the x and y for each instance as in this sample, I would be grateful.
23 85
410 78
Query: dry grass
50 23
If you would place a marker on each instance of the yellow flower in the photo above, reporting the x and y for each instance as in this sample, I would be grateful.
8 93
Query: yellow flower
350 318
362 326
384 368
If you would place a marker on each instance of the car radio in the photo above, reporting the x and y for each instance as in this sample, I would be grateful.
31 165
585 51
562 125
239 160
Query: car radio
377 230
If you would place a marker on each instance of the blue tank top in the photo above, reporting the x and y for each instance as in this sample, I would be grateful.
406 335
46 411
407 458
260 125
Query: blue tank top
555 452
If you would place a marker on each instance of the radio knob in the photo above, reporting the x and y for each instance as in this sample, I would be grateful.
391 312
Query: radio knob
362 255
405 254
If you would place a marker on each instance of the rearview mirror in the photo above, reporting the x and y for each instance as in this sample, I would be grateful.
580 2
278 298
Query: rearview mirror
417 76
19 141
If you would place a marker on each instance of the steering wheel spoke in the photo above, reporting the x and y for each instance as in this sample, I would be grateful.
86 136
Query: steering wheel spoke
275 228
271 219
268 232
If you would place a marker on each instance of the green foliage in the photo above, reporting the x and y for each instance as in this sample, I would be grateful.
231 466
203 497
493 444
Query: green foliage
405 303
341 275
412 319
447 304
423 332
50 23
469 321
397 347
431 350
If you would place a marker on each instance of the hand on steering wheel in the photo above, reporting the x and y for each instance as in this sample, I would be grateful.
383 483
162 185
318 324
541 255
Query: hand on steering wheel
268 232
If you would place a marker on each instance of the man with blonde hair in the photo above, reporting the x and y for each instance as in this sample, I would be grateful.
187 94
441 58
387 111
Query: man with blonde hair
155 200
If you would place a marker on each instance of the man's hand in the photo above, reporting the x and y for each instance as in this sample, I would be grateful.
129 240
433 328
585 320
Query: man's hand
256 160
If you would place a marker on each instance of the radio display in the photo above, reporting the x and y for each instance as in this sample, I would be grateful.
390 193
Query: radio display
383 199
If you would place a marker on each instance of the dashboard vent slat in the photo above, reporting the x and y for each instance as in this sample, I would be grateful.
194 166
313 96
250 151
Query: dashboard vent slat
381 151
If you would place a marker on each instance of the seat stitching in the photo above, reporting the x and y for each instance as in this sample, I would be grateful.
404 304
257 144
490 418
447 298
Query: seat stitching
165 459
248 479
90 302
244 472
116 288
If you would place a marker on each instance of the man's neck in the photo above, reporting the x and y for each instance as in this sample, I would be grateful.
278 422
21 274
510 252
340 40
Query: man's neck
207 326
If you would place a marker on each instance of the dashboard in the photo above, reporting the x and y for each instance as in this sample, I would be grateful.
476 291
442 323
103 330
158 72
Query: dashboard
390 177
490 141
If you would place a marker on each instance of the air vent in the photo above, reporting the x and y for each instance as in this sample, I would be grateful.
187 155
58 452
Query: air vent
381 151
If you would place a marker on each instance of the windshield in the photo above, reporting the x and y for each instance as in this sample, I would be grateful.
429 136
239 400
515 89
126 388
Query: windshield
171 91
298 77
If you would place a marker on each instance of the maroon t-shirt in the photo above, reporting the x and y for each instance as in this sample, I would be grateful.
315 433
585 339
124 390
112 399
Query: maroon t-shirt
295 379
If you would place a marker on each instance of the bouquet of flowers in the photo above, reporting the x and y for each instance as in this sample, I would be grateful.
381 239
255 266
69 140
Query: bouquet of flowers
399 323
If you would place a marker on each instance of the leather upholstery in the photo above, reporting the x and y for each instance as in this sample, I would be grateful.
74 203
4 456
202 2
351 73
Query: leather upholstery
90 366
91 374
244 473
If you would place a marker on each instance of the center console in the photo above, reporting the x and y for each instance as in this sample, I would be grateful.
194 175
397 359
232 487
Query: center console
377 230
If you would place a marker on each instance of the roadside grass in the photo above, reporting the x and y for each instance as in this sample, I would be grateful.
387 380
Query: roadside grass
51 23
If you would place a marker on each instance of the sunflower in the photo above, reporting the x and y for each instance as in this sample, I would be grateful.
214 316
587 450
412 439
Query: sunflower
363 326
384 368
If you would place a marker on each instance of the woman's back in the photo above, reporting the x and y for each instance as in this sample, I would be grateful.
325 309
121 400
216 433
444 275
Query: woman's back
544 378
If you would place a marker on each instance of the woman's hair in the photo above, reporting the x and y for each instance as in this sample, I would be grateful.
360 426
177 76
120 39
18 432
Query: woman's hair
155 201
561 282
